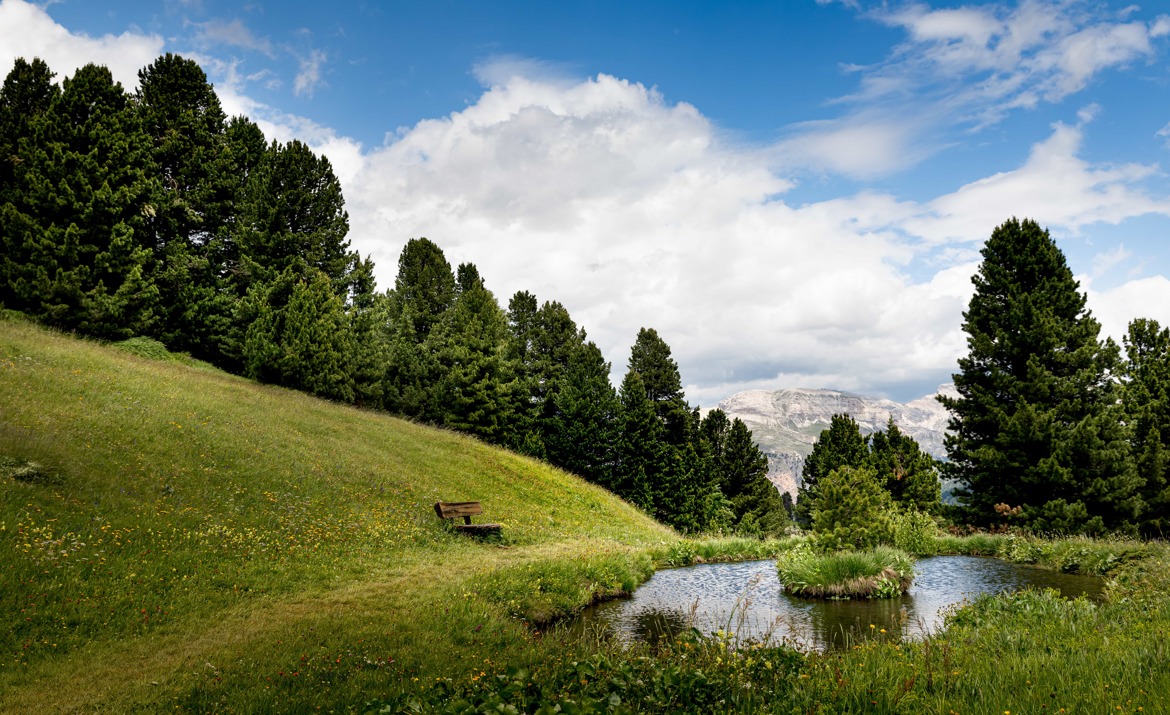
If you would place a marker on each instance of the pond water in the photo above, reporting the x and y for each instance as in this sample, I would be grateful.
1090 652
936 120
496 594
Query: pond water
747 599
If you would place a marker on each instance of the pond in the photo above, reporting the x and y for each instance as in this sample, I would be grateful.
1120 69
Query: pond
746 599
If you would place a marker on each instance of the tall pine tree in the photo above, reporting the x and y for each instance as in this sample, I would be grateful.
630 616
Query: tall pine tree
76 234
1036 424
840 445
1147 410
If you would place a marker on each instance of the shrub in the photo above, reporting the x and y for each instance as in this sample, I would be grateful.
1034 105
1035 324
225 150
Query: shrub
915 532
853 511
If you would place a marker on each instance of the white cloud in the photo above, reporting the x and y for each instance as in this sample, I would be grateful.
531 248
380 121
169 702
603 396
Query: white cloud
964 69
309 76
635 212
27 31
1141 298
1055 187
231 34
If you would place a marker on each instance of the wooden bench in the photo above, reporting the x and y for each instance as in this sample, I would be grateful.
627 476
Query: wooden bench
466 509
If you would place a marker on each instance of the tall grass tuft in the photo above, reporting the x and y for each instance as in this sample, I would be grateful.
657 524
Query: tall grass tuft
880 572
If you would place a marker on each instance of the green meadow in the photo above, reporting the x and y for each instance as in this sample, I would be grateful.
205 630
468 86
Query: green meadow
177 539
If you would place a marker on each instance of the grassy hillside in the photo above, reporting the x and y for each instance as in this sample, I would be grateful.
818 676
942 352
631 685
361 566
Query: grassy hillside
171 535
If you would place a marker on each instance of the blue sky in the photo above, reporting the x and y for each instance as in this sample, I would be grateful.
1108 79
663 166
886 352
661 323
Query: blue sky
793 193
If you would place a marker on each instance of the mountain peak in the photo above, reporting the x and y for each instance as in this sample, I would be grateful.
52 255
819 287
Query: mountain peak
786 422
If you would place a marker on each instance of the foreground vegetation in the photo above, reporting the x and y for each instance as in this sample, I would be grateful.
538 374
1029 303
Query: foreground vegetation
175 538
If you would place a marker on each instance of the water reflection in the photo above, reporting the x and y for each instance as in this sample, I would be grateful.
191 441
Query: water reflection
746 599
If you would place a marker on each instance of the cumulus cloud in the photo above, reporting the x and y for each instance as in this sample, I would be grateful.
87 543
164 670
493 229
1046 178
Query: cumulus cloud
634 212
26 30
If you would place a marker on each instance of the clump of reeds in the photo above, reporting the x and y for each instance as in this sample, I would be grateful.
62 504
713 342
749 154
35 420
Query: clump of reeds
880 572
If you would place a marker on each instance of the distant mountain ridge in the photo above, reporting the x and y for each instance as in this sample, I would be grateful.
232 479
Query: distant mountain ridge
785 423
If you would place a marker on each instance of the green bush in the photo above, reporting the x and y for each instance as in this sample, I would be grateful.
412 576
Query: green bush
915 532
853 511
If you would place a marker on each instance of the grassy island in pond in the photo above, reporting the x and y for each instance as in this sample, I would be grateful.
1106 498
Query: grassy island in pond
880 572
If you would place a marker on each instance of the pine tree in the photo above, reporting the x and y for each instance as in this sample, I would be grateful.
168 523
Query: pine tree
650 358
294 211
425 285
300 337
581 434
473 393
181 113
840 445
75 239
367 311
27 93
852 510
909 474
756 503
1147 410
1036 424
645 460
424 290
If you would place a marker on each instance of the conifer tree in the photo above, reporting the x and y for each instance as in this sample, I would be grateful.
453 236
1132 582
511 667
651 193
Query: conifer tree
75 239
473 393
908 474
294 211
840 445
650 358
645 460
1147 410
424 290
300 337
852 510
582 432
181 113
741 471
424 286
1036 424
366 311
27 93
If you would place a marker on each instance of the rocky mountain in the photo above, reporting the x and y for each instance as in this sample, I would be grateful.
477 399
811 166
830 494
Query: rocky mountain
785 423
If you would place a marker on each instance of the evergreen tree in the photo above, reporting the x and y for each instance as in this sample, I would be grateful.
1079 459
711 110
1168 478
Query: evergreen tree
181 113
1147 410
909 474
1037 425
473 393
840 445
756 504
424 290
294 211
582 433
645 460
650 358
852 510
300 337
27 93
75 238
466 277
366 311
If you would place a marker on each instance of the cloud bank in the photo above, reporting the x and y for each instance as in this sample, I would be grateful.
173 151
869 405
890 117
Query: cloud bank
635 211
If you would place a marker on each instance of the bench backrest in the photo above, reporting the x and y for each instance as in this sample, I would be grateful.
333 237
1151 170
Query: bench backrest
456 509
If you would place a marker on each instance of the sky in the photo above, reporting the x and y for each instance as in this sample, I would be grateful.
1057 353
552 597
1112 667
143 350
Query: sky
793 194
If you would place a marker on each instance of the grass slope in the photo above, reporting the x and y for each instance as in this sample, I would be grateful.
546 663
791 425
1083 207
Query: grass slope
193 539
